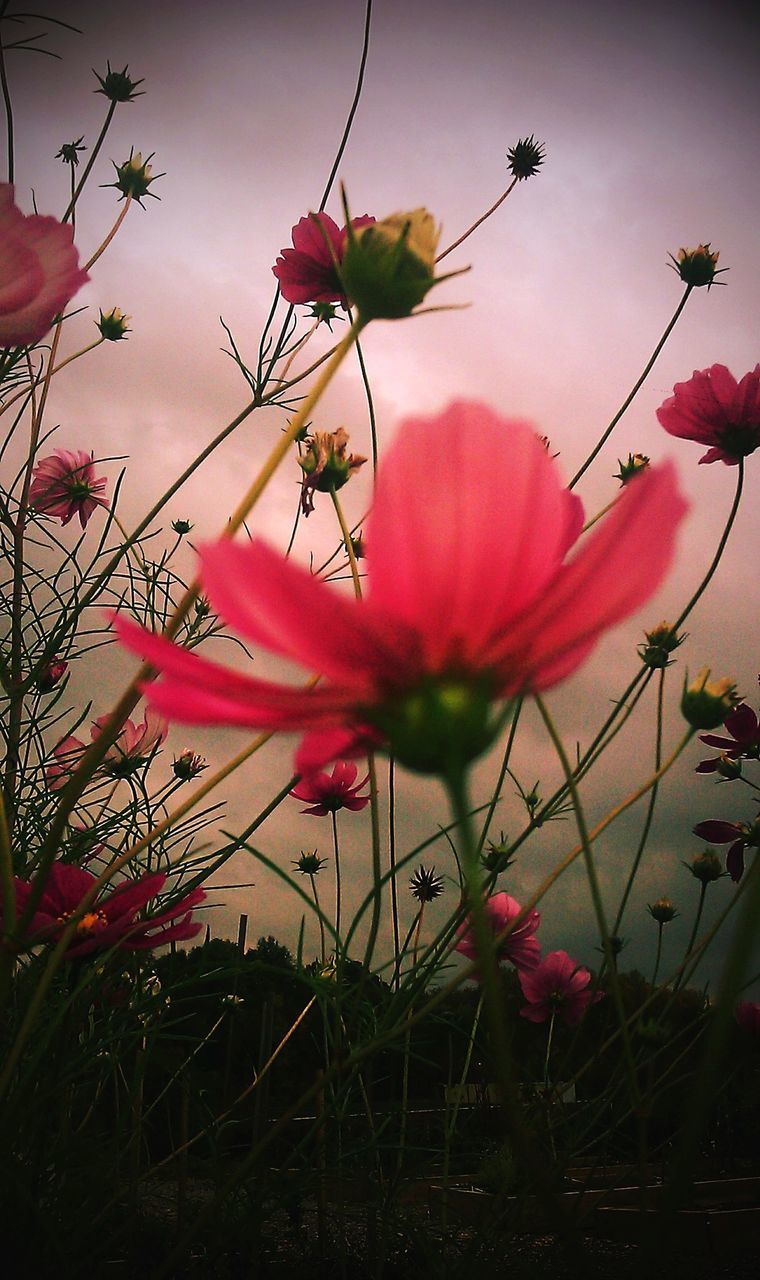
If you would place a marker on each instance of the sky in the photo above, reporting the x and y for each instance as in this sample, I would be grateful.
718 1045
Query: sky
649 113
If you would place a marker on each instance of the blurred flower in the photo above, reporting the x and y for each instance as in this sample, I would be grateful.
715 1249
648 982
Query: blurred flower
118 86
113 324
740 835
134 176
705 703
696 267
426 886
309 864
469 600
634 466
51 674
69 152
519 946
181 527
557 985
389 266
747 1014
661 641
328 792
705 867
309 271
134 746
111 920
525 158
325 465
39 272
662 911
744 743
188 765
714 409
64 485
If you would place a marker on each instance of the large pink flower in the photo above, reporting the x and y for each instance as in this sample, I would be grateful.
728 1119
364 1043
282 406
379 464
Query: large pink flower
327 792
519 946
39 272
306 273
713 408
111 920
557 985
64 485
469 599
133 747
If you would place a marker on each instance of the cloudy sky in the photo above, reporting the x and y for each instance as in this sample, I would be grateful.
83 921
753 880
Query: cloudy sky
649 113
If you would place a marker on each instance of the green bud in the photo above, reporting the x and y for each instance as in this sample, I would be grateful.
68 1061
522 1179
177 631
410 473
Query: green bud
705 703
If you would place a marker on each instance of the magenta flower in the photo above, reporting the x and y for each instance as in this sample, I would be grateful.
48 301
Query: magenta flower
714 409
747 1014
328 792
469 599
306 273
39 272
557 985
744 743
519 946
740 835
65 485
111 920
133 747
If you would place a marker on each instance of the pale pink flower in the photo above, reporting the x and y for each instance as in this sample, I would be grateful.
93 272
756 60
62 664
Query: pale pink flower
133 747
327 792
469 598
519 946
39 272
65 485
713 408
307 272
557 985
112 919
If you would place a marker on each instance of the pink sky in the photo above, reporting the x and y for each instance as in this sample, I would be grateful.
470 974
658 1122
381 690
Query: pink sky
649 115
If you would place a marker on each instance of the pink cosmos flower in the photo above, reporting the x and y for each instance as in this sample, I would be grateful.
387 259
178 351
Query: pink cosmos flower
713 408
748 1016
111 920
306 273
519 946
744 743
39 272
557 985
134 745
469 598
740 835
328 792
65 485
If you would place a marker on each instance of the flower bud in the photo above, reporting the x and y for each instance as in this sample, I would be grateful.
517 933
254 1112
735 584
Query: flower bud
326 465
727 767
662 911
202 607
69 152
425 885
706 866
525 158
118 86
188 765
113 324
696 267
309 864
181 527
496 857
50 675
388 266
134 176
660 642
637 462
705 703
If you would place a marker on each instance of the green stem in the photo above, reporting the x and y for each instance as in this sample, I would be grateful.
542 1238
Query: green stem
650 810
694 932
392 862
549 1039
721 546
336 852
93 157
502 775
658 955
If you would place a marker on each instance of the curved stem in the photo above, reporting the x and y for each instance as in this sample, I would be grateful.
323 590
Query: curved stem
336 853
628 400
456 243
93 157
502 775
99 252
694 932
353 107
721 547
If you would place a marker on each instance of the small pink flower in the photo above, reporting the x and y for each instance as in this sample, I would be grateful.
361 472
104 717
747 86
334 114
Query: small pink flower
111 920
557 985
39 272
65 485
470 598
748 1016
328 792
306 273
133 747
714 409
519 946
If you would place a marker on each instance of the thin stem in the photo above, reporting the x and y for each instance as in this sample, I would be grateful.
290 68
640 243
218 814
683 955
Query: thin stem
93 157
549 1039
99 252
336 852
721 546
694 931
353 107
502 775
475 225
370 405
319 915
392 863
347 543
658 955
628 400
8 113
650 810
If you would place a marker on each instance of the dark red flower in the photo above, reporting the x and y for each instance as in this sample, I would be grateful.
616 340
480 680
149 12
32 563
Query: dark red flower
111 920
744 743
557 985
748 1016
307 272
714 409
741 836
327 792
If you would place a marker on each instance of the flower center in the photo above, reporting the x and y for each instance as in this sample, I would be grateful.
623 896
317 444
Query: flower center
740 440
91 922
440 725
